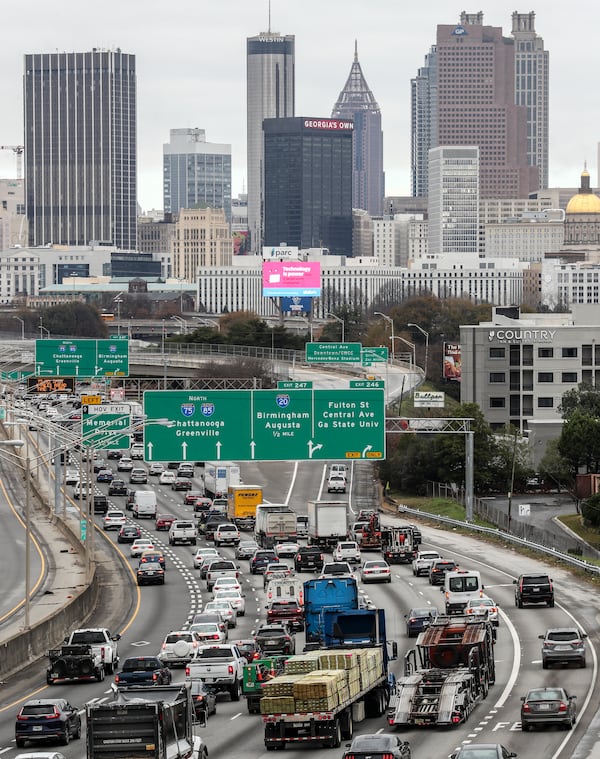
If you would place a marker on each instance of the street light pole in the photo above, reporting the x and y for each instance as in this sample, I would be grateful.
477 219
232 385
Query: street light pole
341 321
22 326
27 543
426 335
392 338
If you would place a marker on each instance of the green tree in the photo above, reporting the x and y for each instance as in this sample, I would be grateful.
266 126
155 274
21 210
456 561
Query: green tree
579 442
583 398
555 468
76 319
590 510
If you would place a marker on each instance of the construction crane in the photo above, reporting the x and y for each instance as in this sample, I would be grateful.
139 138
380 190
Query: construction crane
18 150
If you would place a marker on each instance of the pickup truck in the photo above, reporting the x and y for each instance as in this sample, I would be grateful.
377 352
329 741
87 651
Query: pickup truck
143 670
183 531
103 644
70 663
220 568
220 667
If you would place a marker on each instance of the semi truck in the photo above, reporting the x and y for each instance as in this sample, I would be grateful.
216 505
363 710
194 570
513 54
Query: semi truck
275 523
342 684
327 523
397 545
449 672
324 595
241 505
144 723
219 476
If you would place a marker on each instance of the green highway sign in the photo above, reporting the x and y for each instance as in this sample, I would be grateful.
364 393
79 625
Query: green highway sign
119 337
18 374
83 529
294 385
106 426
265 425
333 353
366 383
374 356
82 358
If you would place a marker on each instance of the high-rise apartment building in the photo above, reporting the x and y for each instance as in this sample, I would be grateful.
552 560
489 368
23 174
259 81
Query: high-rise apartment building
357 103
196 173
80 148
467 94
453 200
308 183
270 94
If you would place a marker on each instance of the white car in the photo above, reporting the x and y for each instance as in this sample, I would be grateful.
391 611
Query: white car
139 546
114 520
156 469
347 550
179 647
202 554
225 609
336 484
235 598
227 583
209 632
71 477
375 570
125 464
481 607
167 477
288 550
423 561
82 490
227 534
137 451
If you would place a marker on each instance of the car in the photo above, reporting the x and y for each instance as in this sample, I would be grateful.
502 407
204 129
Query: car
185 470
212 616
202 504
276 569
192 496
137 452
181 483
156 469
286 610
209 632
113 520
227 583
71 477
356 529
275 639
336 484
164 521
438 570
418 619
287 550
309 558
246 549
153 554
377 746
204 700
205 553
125 464
234 596
178 647
41 755
138 476
347 550
422 562
114 454
483 751
534 589
83 490
105 475
562 645
375 570
117 487
206 562
226 534
173 465
225 609
167 478
302 526
249 649
98 465
139 546
547 706
336 569
150 573
260 559
146 666
483 606
128 533
47 719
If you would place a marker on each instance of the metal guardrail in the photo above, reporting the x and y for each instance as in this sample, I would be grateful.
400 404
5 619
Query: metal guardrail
495 532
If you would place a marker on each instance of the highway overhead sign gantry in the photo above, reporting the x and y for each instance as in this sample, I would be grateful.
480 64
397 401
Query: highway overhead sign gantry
333 353
265 425
106 426
82 358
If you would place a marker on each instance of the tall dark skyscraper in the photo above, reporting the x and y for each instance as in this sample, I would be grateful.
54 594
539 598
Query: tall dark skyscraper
270 95
80 148
478 88
308 183
356 102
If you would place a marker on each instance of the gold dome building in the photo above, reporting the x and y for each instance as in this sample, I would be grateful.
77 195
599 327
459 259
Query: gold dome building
582 221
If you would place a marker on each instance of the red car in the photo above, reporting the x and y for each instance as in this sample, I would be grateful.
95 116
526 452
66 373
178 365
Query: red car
191 497
164 521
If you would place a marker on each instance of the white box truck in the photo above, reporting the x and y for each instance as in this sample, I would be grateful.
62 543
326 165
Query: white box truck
275 523
219 476
327 523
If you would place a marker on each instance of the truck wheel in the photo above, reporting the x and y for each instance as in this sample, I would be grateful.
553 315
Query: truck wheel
336 738
348 726
235 691
100 674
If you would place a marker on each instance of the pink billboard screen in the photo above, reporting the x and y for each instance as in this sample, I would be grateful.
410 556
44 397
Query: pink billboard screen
292 278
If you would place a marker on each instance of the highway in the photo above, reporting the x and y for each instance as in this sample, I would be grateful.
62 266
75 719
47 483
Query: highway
234 733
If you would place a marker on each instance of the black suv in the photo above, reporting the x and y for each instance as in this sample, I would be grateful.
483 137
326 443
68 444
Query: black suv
117 487
438 570
309 558
100 503
534 589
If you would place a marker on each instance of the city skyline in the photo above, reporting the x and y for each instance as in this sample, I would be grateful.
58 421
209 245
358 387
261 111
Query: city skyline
191 70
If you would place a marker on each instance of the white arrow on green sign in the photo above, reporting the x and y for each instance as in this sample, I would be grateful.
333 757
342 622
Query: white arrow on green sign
82 358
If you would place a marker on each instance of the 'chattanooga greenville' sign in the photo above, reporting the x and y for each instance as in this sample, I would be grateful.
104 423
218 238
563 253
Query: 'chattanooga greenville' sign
522 335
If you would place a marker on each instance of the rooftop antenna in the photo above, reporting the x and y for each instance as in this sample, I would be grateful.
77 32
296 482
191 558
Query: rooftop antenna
355 51
269 16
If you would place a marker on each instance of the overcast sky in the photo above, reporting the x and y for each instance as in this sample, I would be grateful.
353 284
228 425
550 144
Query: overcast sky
191 68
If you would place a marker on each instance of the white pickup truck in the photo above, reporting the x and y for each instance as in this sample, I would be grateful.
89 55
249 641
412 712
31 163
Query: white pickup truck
220 667
183 531
104 645
220 568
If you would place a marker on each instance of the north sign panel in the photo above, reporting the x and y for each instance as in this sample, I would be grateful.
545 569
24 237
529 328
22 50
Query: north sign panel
265 425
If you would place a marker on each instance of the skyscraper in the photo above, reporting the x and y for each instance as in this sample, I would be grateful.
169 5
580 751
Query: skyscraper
270 94
453 201
308 183
467 94
196 173
357 103
80 148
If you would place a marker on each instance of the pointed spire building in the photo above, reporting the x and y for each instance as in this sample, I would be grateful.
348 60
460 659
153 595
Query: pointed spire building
356 102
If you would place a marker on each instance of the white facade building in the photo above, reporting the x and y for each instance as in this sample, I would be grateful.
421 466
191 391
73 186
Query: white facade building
528 238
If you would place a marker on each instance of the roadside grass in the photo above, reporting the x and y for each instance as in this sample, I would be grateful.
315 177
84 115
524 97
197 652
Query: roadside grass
575 523
442 507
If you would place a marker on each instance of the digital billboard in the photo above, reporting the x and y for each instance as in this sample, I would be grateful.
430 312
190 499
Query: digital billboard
296 306
452 362
291 278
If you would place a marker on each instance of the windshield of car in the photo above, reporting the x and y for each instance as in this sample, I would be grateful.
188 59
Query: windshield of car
270 632
374 743
228 594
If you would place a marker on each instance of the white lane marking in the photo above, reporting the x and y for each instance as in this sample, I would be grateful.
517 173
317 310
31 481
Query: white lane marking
3 750
516 664
235 716
291 489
